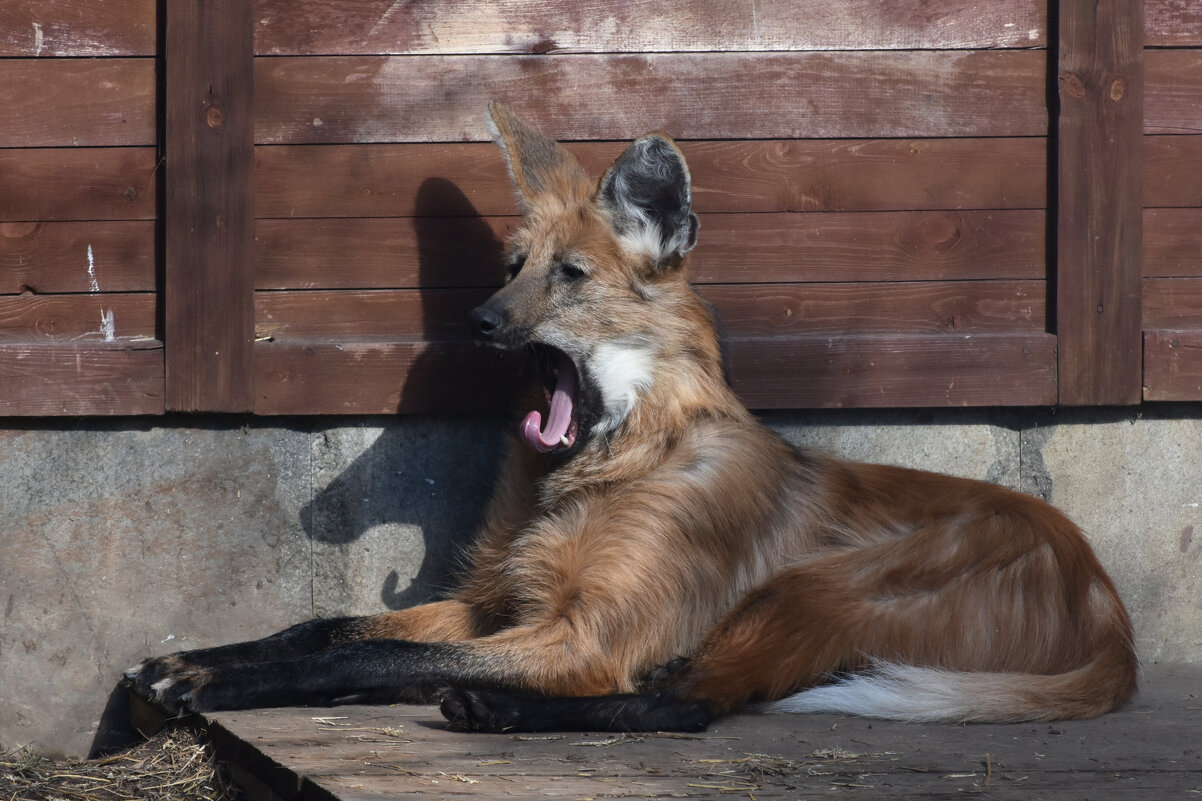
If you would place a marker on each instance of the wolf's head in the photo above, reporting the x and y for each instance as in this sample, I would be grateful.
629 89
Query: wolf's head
595 282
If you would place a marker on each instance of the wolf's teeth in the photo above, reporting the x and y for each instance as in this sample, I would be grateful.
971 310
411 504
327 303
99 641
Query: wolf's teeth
564 440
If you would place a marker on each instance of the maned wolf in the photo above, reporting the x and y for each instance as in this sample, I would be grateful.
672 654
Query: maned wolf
653 556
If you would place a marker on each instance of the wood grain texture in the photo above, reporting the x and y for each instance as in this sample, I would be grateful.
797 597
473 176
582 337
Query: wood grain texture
78 184
78 102
44 28
77 317
343 99
284 27
1172 303
897 371
1173 91
1169 163
1173 365
69 256
1172 243
760 176
407 252
209 280
1100 178
1172 23
97 378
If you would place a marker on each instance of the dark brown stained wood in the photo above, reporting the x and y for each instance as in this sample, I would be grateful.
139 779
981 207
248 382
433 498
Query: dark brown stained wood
1169 162
1016 369
1100 178
77 317
78 102
78 184
1173 91
767 372
208 226
70 256
927 307
436 314
1172 242
1172 23
1172 303
96 378
379 253
765 176
285 27
383 378
389 99
1173 365
44 28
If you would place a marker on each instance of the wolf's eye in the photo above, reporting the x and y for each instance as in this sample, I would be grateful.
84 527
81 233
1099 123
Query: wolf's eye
515 266
568 272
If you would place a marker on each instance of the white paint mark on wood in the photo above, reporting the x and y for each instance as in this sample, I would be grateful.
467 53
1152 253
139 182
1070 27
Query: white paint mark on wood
387 15
95 286
108 326
39 39
755 24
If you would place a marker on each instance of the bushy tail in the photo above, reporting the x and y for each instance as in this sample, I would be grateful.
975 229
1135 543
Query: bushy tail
920 694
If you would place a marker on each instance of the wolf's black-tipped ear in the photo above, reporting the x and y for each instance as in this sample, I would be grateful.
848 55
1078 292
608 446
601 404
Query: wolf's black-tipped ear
537 163
649 197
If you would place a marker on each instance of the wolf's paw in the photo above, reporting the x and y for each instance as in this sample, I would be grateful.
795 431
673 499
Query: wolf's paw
168 682
476 710
663 674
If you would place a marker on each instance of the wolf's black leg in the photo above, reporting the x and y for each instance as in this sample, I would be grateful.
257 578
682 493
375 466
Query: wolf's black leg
367 671
299 640
480 710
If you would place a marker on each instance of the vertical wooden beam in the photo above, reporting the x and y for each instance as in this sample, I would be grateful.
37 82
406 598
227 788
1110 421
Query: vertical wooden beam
1100 196
208 227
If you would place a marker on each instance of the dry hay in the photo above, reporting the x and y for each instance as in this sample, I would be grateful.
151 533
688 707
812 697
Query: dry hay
175 765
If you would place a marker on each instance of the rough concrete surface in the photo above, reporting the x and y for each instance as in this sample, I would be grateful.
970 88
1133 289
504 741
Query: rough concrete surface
123 539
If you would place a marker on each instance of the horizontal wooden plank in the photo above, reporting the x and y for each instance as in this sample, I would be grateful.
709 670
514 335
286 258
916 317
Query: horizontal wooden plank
95 183
96 378
1172 23
881 371
366 253
43 28
926 307
382 378
762 176
757 309
78 102
77 257
104 316
1173 365
1172 303
1170 164
286 27
341 99
1173 91
767 372
1172 242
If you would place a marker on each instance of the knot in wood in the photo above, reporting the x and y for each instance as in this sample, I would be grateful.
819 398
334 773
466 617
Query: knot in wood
1116 90
214 118
1072 85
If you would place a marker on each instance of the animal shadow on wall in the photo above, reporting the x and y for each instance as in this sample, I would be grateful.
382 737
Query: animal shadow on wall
433 469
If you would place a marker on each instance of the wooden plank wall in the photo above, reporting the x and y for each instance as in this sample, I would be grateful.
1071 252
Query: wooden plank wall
78 330
1172 214
871 180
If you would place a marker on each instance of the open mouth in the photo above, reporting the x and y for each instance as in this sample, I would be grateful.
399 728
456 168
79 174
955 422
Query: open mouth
561 385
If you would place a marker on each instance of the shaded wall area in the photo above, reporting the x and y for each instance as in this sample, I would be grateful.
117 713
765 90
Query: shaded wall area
121 539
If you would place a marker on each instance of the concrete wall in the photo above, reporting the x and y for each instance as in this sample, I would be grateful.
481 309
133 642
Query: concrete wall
120 539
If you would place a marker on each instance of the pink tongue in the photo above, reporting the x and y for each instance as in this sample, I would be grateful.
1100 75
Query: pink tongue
560 415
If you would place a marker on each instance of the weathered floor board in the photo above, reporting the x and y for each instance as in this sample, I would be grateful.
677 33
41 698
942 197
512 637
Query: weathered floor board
1152 749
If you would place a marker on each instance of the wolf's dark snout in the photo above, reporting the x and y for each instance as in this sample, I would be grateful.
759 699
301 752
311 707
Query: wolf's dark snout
486 321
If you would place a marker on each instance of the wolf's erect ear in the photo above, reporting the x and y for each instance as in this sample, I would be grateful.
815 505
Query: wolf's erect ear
537 163
648 195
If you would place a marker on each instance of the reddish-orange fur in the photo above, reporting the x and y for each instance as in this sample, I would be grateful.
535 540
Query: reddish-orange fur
692 530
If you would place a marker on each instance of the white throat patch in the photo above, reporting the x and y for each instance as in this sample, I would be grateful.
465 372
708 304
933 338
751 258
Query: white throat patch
621 371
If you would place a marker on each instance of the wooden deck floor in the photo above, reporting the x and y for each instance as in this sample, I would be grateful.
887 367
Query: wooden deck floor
1150 750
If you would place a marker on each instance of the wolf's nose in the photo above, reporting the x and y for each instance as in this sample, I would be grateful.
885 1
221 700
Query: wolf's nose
485 322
